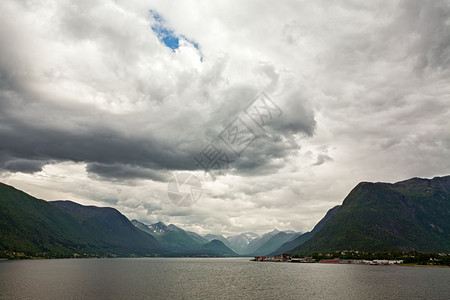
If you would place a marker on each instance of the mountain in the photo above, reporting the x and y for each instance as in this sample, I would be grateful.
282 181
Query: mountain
216 248
218 237
196 236
302 238
251 244
275 242
172 238
107 225
240 242
159 228
147 228
60 229
180 242
409 215
258 242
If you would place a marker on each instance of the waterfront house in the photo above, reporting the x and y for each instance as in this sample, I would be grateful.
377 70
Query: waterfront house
285 257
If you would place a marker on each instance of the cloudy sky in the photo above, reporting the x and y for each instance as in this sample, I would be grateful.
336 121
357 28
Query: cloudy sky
101 102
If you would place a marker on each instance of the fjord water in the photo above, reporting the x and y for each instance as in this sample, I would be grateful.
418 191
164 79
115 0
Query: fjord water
215 278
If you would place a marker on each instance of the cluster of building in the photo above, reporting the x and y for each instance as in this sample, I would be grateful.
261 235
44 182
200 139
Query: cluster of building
288 258
282 258
370 262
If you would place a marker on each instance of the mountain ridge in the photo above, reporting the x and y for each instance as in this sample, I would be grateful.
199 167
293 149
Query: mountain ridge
409 215
36 227
301 239
179 241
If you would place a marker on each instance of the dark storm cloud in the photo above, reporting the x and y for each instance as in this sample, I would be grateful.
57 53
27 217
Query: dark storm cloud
57 107
105 147
31 136
297 117
34 132
273 143
122 171
22 165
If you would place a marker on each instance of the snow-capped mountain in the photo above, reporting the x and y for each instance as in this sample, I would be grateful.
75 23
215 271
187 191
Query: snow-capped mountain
240 242
248 243
157 228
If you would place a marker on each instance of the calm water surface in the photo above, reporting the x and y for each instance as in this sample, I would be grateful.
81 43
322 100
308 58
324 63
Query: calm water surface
215 278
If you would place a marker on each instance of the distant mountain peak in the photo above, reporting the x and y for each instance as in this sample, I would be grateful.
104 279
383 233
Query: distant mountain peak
158 228
177 240
172 227
275 231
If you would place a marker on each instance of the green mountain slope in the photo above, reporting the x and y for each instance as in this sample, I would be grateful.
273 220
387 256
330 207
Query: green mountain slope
110 228
218 237
38 228
274 243
408 215
216 248
301 239
258 242
180 242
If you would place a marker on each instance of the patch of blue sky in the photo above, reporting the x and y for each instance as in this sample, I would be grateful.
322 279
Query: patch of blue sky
168 36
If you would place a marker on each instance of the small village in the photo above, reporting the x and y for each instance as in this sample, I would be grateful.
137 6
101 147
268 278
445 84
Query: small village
289 258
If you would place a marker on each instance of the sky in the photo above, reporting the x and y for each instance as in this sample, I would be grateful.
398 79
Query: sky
104 102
